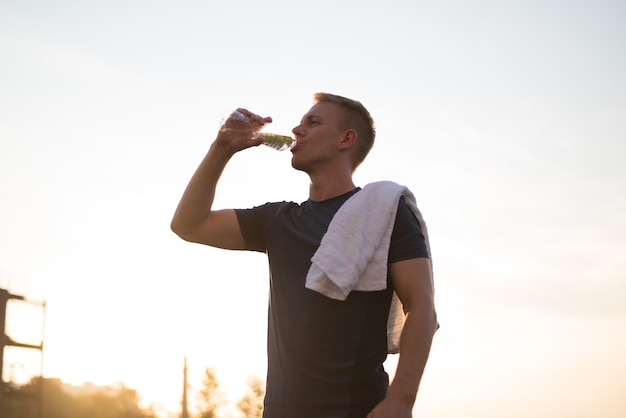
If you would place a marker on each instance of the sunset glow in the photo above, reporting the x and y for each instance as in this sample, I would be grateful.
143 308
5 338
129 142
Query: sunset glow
505 120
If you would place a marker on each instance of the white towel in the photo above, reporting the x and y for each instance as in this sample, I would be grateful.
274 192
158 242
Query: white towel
353 252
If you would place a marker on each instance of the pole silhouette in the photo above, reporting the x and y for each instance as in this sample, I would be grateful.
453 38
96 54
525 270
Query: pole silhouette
185 413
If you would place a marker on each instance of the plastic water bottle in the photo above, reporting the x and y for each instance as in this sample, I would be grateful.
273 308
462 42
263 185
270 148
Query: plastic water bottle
275 141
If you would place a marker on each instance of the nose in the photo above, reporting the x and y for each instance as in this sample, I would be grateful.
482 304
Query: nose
297 131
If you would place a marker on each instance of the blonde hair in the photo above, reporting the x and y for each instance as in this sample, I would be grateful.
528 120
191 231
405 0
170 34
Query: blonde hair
358 118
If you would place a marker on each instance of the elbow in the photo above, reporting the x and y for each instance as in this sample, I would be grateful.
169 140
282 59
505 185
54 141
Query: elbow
426 315
179 229
175 226
429 315
187 231
176 229
434 321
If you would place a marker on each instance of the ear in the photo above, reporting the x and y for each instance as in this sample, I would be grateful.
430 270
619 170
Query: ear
348 140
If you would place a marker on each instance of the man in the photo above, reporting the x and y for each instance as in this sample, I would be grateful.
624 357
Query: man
325 356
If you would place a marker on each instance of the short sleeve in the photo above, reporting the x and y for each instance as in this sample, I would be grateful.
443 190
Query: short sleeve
407 239
253 225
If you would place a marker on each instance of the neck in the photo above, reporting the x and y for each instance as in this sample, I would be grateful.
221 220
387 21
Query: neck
328 187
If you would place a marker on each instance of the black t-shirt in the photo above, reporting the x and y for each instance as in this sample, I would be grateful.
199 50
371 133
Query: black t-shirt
325 356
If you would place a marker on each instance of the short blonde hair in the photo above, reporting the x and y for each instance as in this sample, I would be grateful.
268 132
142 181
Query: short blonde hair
358 118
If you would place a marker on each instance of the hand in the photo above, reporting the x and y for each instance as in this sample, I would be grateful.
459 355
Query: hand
388 408
239 130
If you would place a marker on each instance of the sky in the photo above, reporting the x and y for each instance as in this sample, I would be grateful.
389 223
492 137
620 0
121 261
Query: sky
506 119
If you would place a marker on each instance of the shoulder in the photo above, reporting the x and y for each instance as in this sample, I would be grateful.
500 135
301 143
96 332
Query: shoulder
269 206
267 210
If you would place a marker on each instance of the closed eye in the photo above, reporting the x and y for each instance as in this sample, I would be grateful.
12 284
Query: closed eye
310 120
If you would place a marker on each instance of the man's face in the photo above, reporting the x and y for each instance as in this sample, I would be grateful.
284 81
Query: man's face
317 136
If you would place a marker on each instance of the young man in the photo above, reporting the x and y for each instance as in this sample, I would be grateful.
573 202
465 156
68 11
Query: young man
325 356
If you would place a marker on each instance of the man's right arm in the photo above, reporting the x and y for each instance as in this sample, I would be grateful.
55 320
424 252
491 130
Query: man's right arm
194 219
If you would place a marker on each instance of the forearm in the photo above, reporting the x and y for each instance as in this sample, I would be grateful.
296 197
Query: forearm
197 200
415 343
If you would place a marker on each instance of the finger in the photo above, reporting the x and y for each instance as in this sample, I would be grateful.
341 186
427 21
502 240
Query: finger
240 115
259 120
252 117
237 120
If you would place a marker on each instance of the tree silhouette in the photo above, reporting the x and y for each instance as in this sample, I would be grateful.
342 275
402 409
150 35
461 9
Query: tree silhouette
209 396
251 405
22 402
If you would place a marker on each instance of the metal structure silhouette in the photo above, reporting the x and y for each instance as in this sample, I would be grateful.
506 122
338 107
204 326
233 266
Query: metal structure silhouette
7 341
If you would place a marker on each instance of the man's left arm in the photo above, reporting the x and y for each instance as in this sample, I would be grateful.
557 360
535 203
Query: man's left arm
413 284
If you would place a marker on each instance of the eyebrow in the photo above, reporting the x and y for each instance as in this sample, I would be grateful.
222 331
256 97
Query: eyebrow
310 116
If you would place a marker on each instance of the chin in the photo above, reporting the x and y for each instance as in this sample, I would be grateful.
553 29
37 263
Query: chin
297 164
